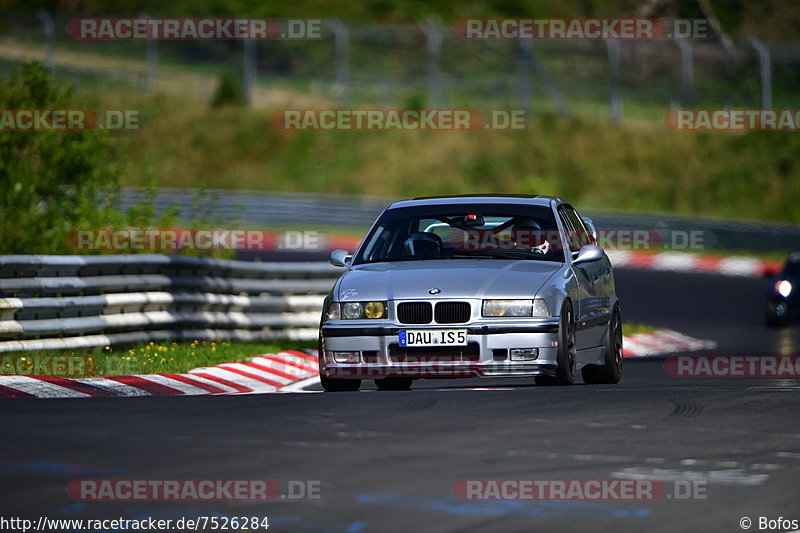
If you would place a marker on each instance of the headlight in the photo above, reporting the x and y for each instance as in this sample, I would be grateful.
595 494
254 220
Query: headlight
503 308
374 310
352 310
356 310
784 288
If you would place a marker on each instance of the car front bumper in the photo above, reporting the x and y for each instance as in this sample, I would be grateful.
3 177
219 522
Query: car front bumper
488 351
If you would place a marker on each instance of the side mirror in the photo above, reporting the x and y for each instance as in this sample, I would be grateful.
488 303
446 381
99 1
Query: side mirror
340 258
587 254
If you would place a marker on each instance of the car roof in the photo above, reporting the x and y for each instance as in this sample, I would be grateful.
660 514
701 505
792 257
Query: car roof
465 199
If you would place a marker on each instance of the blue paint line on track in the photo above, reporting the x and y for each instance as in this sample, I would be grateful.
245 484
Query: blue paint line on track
551 509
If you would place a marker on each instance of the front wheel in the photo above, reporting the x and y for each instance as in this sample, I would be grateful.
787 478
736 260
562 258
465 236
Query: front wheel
772 320
611 371
565 373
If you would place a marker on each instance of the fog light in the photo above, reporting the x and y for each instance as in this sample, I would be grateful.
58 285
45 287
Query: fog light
523 354
347 357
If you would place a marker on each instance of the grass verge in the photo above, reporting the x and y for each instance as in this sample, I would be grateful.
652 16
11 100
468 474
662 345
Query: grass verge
166 358
633 328
149 358
591 162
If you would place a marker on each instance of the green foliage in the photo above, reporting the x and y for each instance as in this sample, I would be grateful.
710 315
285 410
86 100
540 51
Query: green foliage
767 19
591 161
51 182
54 182
229 90
416 101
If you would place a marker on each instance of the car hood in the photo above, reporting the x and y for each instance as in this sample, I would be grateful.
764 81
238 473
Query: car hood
455 278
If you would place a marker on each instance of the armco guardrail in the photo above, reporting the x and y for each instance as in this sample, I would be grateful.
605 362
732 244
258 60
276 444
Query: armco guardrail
57 302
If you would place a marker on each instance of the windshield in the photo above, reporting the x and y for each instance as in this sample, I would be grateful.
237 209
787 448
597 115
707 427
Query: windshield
463 232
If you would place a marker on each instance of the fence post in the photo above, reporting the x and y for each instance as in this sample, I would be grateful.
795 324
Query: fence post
614 100
342 37
49 35
525 84
549 83
433 41
765 67
687 71
151 56
248 70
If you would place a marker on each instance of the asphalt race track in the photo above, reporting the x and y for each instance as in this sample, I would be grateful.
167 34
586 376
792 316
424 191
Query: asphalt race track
725 309
388 461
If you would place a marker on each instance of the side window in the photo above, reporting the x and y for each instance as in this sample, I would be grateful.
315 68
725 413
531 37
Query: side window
376 246
582 234
571 236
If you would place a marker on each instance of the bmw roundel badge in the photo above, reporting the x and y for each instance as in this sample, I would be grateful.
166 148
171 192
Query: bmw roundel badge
434 291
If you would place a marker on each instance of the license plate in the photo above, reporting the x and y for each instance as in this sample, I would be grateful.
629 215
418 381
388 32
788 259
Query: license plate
433 337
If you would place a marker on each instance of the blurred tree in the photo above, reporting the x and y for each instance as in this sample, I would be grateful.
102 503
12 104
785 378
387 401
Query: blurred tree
52 181
229 90
772 20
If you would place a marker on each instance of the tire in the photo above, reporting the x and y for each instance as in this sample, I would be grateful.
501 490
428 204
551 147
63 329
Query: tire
611 371
565 373
339 385
393 383
772 320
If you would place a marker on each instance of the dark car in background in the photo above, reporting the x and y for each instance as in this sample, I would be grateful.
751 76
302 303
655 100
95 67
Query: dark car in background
783 293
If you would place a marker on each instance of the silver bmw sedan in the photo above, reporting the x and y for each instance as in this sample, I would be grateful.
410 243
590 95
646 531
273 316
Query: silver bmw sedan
476 285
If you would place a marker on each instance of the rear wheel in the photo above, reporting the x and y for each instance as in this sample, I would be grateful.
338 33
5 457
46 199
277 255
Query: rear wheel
611 371
393 383
565 373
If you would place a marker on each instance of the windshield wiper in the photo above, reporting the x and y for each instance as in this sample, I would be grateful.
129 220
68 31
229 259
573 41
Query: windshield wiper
484 255
463 256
